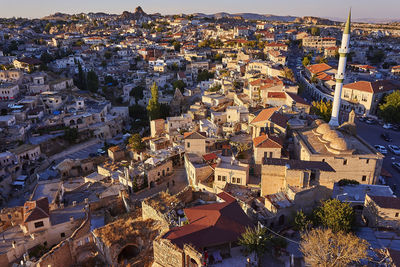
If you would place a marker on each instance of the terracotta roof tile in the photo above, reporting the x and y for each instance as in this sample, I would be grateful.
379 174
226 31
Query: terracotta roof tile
265 141
317 68
211 225
265 114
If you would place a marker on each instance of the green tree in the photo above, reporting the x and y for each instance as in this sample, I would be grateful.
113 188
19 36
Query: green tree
92 81
71 134
153 107
47 27
302 222
320 59
256 240
306 61
81 82
204 75
137 92
287 73
322 109
390 109
177 45
136 143
323 247
179 84
315 31
107 55
335 215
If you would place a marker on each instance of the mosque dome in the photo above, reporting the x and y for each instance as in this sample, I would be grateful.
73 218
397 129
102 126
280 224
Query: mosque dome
323 128
339 144
332 135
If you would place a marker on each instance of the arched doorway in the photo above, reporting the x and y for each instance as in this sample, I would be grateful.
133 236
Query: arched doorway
127 253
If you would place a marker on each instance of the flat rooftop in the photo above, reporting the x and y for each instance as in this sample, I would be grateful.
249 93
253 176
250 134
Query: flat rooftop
59 216
356 193
47 189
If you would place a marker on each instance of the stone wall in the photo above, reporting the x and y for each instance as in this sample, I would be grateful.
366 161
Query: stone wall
186 195
167 254
64 254
59 256
148 212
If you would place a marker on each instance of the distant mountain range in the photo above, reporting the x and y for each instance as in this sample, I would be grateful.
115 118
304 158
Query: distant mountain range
250 16
141 15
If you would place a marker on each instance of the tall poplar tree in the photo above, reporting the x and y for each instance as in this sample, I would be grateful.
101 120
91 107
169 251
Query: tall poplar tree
153 108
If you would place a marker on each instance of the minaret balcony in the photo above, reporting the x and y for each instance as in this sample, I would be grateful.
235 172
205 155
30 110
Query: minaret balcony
344 50
339 76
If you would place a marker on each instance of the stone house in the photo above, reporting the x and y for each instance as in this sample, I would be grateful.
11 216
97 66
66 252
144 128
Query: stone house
382 211
233 172
212 231
276 174
27 152
116 153
195 142
197 169
269 121
267 146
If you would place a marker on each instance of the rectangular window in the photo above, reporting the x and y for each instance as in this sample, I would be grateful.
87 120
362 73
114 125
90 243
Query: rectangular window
39 224
219 177
364 178
233 180
223 178
396 215
188 144
367 161
345 162
62 234
238 180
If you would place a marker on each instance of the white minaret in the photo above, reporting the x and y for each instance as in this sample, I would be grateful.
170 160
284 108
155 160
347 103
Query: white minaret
343 51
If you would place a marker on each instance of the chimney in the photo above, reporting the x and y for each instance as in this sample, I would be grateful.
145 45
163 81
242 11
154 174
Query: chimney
74 203
14 244
71 218
61 205
86 200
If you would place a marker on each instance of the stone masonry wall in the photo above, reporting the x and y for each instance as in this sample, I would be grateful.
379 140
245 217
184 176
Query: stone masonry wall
166 254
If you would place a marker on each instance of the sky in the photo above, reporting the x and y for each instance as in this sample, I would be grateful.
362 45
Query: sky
383 9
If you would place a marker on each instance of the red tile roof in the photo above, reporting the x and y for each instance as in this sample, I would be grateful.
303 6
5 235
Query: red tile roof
372 87
36 210
265 141
317 68
210 156
194 135
276 95
211 225
265 114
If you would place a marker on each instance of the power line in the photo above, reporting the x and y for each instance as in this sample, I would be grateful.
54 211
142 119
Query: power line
278 234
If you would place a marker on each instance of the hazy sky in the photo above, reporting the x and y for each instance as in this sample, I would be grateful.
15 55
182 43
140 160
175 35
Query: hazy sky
322 8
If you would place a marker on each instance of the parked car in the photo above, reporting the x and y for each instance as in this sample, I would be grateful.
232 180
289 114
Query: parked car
387 126
381 149
395 149
386 137
370 121
396 165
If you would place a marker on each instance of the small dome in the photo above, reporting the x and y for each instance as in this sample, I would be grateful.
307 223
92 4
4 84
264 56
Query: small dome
332 135
323 128
339 144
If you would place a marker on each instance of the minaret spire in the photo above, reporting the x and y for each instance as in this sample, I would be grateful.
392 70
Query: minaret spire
340 75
